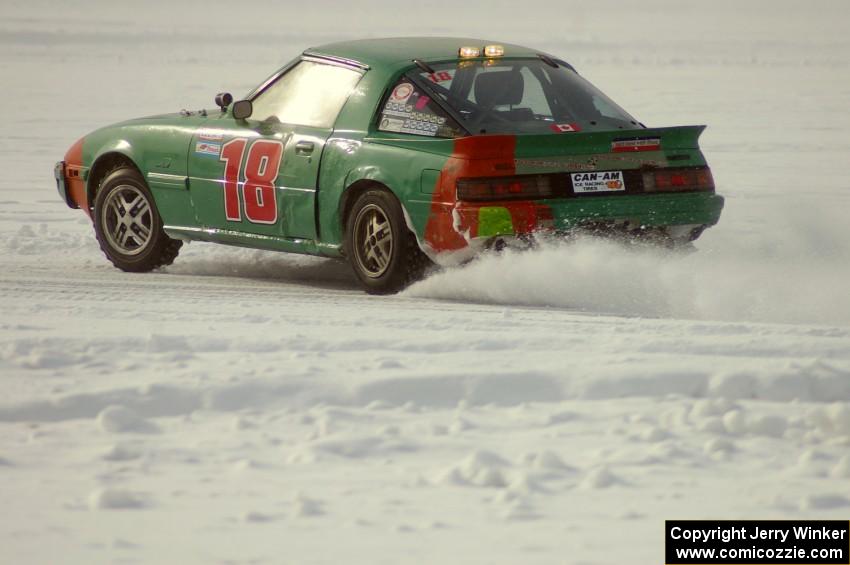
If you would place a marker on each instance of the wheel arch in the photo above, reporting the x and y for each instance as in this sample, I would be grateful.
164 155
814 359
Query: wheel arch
405 262
352 192
105 163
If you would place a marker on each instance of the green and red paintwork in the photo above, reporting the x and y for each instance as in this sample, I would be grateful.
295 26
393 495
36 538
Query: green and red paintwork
314 189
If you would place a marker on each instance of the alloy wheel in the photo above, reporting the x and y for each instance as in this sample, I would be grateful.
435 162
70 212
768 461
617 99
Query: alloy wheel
127 220
373 244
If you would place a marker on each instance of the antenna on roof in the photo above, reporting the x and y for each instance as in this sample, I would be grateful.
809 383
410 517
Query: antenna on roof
548 60
424 66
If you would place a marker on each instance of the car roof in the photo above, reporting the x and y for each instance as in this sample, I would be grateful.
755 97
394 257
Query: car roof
395 52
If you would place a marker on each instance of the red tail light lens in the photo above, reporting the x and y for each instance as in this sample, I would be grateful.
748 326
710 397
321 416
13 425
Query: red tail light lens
523 187
678 180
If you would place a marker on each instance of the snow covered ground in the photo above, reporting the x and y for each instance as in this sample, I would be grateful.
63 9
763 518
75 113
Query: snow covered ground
551 407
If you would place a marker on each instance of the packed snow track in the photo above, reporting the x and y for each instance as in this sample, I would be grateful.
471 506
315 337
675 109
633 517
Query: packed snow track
250 407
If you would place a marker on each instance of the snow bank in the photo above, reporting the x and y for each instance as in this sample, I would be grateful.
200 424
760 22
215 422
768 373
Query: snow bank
117 499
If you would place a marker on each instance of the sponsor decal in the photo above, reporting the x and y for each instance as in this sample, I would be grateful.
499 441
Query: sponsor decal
208 148
402 118
636 144
419 127
398 109
391 124
542 164
423 117
564 128
210 136
402 92
598 181
591 164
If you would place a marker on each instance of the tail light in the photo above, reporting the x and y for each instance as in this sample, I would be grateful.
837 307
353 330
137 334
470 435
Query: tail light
522 187
678 180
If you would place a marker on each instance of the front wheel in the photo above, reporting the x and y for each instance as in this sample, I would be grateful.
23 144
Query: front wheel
128 226
381 249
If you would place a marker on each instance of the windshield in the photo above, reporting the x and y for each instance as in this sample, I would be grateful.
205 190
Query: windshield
523 96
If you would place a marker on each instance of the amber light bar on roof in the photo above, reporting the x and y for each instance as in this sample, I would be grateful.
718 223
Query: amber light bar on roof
489 51
493 50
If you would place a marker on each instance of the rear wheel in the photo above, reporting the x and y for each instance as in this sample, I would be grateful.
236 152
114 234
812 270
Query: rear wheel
128 226
381 249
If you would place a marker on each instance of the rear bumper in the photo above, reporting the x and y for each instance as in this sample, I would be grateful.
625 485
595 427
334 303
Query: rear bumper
633 212
457 232
62 185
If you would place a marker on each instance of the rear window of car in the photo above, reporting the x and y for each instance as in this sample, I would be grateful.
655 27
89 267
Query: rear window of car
408 109
522 96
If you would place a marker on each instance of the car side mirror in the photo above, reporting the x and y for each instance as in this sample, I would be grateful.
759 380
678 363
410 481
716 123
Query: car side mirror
242 109
223 100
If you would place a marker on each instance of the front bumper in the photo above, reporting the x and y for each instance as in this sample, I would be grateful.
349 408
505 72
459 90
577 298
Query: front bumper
62 185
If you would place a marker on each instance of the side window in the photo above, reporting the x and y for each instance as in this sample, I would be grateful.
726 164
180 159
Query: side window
604 108
410 110
534 98
309 94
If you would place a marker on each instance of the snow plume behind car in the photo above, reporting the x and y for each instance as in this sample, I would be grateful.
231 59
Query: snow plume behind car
796 275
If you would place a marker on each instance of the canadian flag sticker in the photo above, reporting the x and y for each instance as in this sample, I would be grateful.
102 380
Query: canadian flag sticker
564 128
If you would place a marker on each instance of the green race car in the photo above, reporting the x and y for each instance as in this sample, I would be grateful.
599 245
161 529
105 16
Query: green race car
395 154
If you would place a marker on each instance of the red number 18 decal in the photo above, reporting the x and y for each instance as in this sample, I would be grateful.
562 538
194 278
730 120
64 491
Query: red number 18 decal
258 191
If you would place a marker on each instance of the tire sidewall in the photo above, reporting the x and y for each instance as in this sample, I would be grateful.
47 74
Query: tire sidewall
120 177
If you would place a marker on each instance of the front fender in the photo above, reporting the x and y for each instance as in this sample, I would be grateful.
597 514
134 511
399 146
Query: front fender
158 147
109 150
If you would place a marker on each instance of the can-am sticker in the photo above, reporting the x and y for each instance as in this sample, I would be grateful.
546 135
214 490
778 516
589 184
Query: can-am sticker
604 181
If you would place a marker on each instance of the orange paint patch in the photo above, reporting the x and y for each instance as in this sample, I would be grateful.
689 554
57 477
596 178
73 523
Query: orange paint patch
478 156
73 176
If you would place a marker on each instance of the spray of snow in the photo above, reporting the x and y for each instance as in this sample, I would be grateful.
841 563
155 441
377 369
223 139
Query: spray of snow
796 271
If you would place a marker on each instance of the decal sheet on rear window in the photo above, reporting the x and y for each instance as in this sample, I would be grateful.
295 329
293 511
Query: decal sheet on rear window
409 110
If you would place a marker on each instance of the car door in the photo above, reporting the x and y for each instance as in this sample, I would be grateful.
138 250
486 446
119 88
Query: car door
259 175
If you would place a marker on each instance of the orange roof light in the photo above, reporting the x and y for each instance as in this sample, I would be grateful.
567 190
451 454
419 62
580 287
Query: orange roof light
469 52
494 51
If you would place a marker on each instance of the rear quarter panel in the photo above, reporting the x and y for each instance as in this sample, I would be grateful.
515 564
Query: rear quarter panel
408 166
350 162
